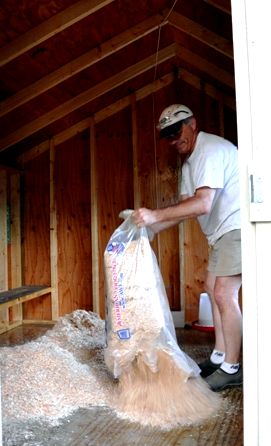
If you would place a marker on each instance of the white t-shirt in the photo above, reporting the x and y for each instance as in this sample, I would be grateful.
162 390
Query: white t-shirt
214 163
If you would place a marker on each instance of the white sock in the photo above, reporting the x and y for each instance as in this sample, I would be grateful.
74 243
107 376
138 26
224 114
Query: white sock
217 357
230 368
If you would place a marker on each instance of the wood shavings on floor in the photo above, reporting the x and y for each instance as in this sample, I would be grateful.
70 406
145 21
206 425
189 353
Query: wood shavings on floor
56 374
63 371
165 398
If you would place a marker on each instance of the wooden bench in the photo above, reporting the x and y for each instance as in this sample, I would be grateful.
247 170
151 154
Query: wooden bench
15 296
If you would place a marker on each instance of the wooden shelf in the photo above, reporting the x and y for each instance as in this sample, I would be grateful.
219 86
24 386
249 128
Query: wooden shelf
22 294
15 296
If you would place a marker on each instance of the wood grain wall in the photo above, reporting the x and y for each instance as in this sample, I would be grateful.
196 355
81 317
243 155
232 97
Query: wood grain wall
36 234
123 165
72 193
158 178
114 166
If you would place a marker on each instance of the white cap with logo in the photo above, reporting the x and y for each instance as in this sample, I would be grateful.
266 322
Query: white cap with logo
171 118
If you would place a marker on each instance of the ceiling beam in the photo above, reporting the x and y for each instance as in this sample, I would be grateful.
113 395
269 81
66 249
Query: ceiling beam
99 116
201 33
11 170
177 20
49 28
223 5
209 89
87 96
125 102
201 64
81 63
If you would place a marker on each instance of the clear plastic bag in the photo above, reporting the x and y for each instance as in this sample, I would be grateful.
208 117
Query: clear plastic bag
138 319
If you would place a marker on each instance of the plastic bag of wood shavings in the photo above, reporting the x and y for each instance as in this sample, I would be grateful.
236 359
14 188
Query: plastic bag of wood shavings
138 318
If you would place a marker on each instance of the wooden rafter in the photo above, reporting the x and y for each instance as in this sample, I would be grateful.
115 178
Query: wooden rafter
201 33
140 30
86 60
122 103
49 28
210 90
98 117
116 80
87 96
208 68
223 5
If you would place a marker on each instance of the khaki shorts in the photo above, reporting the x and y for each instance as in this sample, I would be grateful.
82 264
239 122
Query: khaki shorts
225 255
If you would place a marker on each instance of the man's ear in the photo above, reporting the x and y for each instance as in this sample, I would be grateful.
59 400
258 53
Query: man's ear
193 123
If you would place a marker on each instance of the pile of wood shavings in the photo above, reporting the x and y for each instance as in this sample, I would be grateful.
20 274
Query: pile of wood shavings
64 370
58 373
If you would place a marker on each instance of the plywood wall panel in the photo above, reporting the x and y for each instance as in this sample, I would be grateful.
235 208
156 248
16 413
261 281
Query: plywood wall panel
169 250
36 234
159 187
3 232
114 179
195 263
72 192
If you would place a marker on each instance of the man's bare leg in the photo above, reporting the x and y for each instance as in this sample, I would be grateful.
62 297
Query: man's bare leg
219 337
226 298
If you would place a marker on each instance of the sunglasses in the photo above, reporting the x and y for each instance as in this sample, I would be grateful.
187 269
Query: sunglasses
174 135
174 131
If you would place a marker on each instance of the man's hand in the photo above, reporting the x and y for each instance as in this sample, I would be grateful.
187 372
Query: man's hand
143 217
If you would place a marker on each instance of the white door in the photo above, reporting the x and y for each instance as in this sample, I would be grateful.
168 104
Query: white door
252 41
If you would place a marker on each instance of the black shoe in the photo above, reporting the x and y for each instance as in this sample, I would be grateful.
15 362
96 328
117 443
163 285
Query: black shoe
220 380
208 367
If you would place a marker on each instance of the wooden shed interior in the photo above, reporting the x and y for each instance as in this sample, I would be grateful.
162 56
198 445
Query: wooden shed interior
82 84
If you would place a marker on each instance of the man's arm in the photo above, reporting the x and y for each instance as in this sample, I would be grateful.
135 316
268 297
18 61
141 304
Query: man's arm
188 207
158 227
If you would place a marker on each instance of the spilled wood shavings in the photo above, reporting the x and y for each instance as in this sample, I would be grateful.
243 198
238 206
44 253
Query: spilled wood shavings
166 397
64 370
56 374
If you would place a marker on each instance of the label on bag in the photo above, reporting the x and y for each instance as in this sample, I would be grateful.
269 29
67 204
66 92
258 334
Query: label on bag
124 334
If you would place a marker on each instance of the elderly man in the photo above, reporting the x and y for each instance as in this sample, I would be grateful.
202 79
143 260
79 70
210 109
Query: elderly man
210 193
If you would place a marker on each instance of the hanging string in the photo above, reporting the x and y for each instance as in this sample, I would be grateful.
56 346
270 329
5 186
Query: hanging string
153 99
154 120
159 37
